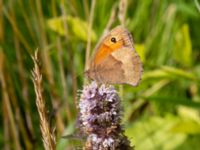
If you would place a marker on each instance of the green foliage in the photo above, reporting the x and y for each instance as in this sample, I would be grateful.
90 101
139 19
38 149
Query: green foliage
78 27
183 47
156 133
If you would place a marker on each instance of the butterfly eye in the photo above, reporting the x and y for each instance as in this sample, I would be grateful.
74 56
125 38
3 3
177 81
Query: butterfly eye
113 39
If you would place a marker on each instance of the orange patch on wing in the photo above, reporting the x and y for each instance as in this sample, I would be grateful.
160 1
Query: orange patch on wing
117 45
105 50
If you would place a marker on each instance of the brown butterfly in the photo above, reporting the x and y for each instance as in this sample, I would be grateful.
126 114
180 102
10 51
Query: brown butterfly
115 60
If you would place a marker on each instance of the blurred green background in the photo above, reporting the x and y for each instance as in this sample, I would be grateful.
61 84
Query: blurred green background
162 113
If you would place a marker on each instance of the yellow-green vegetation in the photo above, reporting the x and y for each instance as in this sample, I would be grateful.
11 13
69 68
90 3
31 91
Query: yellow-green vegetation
162 113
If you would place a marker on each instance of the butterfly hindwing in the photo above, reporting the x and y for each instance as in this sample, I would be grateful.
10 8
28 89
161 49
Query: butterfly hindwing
115 60
131 64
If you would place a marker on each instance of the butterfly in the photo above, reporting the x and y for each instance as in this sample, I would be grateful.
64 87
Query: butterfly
115 60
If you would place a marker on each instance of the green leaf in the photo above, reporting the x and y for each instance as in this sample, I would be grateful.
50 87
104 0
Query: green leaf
187 126
80 28
191 143
183 47
187 9
169 72
141 51
158 73
189 113
56 24
77 27
154 134
179 73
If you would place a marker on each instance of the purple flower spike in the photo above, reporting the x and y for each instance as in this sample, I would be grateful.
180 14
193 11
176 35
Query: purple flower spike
100 117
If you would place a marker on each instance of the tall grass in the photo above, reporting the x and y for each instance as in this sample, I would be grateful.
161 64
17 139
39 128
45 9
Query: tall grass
48 136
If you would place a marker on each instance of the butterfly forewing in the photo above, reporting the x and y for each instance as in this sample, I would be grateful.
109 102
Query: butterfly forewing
115 60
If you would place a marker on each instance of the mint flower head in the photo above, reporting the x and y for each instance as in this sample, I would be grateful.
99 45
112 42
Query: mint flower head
100 117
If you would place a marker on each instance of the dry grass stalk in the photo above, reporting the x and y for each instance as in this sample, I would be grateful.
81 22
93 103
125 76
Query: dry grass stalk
122 11
7 108
108 26
48 63
90 23
25 88
1 22
122 16
25 93
47 135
